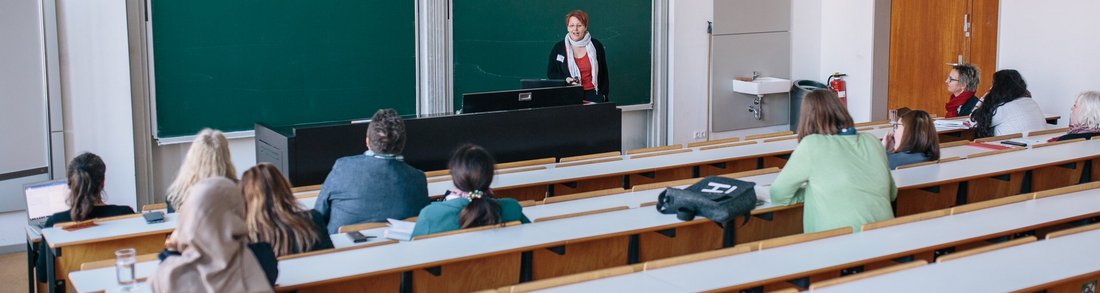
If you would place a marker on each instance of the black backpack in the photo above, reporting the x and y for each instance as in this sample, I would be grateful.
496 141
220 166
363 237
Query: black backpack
720 199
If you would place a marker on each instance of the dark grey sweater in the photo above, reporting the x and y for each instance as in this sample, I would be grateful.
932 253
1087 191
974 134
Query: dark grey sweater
370 188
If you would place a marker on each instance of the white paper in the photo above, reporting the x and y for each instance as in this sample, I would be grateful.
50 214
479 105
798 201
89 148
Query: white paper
399 230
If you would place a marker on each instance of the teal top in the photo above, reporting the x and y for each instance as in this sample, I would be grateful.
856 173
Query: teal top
442 216
844 180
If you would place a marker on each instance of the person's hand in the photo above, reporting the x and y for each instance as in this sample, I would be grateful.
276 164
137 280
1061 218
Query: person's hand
170 243
888 141
571 81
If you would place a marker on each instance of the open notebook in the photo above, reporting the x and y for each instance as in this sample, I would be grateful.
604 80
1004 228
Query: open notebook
399 230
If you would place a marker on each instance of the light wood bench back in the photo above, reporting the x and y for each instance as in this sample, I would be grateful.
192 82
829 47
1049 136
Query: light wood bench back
359 227
582 195
501 225
655 149
867 274
589 157
906 219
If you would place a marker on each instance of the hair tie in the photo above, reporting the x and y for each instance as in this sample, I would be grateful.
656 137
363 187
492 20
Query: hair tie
475 194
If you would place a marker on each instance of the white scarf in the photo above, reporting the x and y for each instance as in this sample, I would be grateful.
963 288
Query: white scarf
585 42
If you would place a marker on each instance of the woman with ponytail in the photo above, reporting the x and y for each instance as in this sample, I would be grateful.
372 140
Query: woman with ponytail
86 174
470 204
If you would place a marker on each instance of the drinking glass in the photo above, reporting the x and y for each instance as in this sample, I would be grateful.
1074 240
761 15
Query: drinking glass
124 267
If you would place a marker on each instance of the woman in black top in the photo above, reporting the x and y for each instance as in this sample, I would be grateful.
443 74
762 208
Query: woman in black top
86 174
273 215
579 59
1084 119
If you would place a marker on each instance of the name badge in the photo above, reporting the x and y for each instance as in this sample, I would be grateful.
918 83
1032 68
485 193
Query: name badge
561 58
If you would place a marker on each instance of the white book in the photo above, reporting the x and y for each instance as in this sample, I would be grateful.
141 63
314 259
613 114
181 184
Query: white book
399 230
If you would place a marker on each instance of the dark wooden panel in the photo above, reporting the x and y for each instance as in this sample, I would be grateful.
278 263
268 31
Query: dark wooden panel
306 153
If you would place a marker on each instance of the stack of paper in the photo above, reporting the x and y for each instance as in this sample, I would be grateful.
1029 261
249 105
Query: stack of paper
399 230
957 123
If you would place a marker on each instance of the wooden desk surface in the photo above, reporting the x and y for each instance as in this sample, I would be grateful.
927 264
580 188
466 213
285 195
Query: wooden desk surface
624 220
108 230
777 263
1003 270
1001 163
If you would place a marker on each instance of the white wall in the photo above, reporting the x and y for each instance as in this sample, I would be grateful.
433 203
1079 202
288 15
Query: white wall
688 46
95 86
806 40
1055 46
848 46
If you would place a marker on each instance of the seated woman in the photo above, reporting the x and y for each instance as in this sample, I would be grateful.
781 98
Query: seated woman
273 215
207 157
209 251
86 174
842 176
914 140
1084 117
471 203
1008 108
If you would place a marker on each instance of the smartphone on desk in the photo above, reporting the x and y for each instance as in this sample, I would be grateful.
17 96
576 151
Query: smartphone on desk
153 217
357 237
1015 143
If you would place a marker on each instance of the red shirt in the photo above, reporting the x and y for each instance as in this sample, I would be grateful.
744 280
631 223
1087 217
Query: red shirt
585 67
955 102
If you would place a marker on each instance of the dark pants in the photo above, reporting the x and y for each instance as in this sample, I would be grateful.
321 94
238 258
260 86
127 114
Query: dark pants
592 96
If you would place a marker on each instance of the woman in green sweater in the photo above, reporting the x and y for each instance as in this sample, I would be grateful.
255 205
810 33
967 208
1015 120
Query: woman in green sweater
841 176
470 204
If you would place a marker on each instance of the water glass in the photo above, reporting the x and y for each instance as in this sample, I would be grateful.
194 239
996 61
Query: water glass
125 259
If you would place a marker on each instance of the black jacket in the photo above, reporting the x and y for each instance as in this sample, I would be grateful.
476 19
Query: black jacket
560 69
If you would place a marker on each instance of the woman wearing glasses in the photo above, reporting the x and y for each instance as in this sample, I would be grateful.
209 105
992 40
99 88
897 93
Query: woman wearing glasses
962 83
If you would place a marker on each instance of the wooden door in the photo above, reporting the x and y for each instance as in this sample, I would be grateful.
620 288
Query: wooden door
926 36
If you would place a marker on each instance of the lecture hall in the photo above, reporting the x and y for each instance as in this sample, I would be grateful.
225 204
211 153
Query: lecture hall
549 145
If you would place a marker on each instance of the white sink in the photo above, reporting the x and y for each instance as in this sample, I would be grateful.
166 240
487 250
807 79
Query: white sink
762 86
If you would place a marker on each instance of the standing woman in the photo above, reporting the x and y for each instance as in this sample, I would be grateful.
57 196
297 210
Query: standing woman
273 216
1008 108
841 176
580 59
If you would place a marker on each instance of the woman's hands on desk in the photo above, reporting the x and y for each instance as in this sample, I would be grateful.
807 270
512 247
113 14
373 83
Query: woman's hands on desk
572 81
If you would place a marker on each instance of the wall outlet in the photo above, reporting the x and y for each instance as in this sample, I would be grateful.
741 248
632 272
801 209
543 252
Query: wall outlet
700 135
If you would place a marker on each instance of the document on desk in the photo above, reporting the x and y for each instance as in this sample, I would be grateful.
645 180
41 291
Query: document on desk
399 230
952 124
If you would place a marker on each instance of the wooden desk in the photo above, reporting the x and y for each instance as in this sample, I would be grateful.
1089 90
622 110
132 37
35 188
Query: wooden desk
776 265
69 249
1062 264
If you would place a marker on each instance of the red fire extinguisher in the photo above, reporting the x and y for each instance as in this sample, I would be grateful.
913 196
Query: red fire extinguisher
840 87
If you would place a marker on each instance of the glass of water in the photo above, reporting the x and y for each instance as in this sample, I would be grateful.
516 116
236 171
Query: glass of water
124 267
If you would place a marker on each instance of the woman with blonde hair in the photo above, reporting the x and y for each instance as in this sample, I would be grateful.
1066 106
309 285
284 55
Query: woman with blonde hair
1084 118
207 157
273 216
841 175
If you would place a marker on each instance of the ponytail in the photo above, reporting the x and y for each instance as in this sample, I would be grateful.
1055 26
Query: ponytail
482 210
472 169
86 173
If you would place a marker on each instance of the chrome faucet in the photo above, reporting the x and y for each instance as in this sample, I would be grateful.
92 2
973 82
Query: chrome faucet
755 75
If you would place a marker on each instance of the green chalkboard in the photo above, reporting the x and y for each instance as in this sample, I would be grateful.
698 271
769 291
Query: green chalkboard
229 63
499 42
